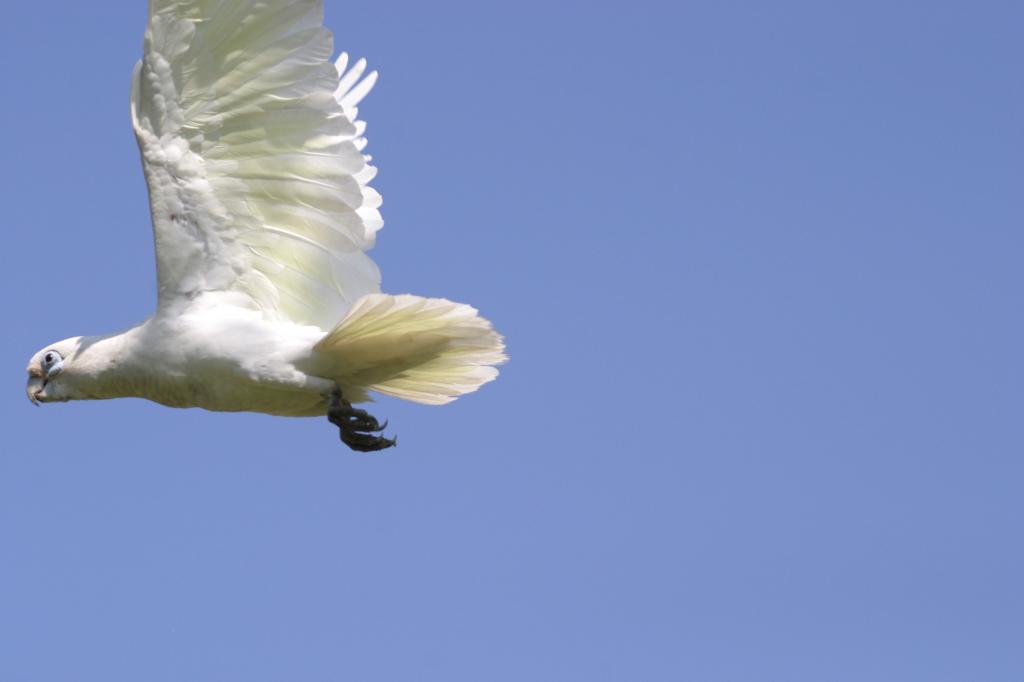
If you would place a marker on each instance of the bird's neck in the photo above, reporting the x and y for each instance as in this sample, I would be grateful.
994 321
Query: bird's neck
104 366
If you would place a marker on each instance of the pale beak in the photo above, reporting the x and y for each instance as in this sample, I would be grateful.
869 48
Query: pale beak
35 388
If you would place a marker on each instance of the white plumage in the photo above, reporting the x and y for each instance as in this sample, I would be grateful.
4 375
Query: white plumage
262 215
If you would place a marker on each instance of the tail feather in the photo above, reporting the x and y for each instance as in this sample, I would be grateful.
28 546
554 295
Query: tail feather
427 350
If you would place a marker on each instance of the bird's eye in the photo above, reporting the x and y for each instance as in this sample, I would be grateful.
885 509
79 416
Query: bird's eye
51 358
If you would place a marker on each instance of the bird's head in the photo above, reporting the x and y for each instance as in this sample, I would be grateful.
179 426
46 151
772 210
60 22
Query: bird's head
49 371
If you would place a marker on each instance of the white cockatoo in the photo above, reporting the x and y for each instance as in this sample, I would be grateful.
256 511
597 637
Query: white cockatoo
262 214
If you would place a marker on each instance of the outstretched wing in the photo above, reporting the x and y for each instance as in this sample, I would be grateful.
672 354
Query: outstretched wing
253 157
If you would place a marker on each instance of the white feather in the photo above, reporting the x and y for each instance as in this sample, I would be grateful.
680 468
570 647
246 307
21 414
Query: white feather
257 182
427 350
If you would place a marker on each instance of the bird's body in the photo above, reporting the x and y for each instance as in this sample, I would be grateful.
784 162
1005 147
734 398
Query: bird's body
211 354
262 214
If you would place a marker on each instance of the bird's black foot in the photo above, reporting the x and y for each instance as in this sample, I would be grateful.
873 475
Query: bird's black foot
358 427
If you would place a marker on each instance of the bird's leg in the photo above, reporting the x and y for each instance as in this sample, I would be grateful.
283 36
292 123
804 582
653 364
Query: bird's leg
357 426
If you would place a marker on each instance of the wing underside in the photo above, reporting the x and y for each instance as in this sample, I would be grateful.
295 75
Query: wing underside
252 152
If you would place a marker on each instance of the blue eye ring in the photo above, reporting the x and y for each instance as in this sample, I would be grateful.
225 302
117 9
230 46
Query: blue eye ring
53 362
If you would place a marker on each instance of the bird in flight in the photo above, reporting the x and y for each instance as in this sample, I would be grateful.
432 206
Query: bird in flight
262 215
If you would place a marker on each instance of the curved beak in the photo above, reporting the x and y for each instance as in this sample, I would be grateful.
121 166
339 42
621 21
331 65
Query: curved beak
35 389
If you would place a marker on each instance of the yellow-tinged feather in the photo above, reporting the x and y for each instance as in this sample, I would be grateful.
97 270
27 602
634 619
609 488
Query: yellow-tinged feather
428 350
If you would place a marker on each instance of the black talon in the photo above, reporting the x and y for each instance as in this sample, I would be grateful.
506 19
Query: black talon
366 443
357 426
353 422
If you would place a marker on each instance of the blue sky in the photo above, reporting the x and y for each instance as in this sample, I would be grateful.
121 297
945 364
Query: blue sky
759 269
